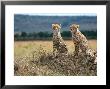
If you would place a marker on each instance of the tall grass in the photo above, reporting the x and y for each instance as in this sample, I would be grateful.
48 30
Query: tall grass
38 61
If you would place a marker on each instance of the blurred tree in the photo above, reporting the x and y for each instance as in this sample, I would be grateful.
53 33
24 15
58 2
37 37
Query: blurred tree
23 34
66 34
48 35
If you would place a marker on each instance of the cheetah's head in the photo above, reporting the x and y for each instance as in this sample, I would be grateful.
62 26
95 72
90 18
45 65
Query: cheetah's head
74 28
56 26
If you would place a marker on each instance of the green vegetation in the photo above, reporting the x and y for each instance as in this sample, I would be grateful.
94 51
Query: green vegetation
48 35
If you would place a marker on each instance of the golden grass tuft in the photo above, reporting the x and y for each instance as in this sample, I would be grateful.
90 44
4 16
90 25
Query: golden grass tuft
35 58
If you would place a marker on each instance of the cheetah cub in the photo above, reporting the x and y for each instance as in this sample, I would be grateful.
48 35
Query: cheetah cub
59 45
81 43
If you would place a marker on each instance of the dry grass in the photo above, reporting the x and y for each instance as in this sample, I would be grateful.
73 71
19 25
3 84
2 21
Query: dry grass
34 58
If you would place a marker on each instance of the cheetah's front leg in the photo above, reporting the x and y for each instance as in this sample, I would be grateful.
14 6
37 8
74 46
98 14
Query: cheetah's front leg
77 50
54 51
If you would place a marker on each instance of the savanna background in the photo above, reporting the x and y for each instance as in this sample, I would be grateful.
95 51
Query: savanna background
33 45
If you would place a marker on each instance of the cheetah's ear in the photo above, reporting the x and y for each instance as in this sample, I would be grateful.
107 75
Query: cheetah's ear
60 25
52 25
77 26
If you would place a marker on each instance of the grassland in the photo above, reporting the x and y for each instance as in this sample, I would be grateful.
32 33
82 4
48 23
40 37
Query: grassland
34 58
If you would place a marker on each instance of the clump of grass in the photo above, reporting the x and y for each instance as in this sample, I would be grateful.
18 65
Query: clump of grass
43 63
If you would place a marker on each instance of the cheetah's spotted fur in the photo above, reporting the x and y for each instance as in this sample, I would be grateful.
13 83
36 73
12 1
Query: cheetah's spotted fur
81 43
59 45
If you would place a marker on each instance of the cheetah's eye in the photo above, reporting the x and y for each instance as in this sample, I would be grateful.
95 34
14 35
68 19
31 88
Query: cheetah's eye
71 29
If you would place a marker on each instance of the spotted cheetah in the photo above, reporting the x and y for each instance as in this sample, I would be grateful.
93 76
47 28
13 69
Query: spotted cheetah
81 43
59 45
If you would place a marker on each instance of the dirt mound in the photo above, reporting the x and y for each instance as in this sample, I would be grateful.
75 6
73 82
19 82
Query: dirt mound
62 65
